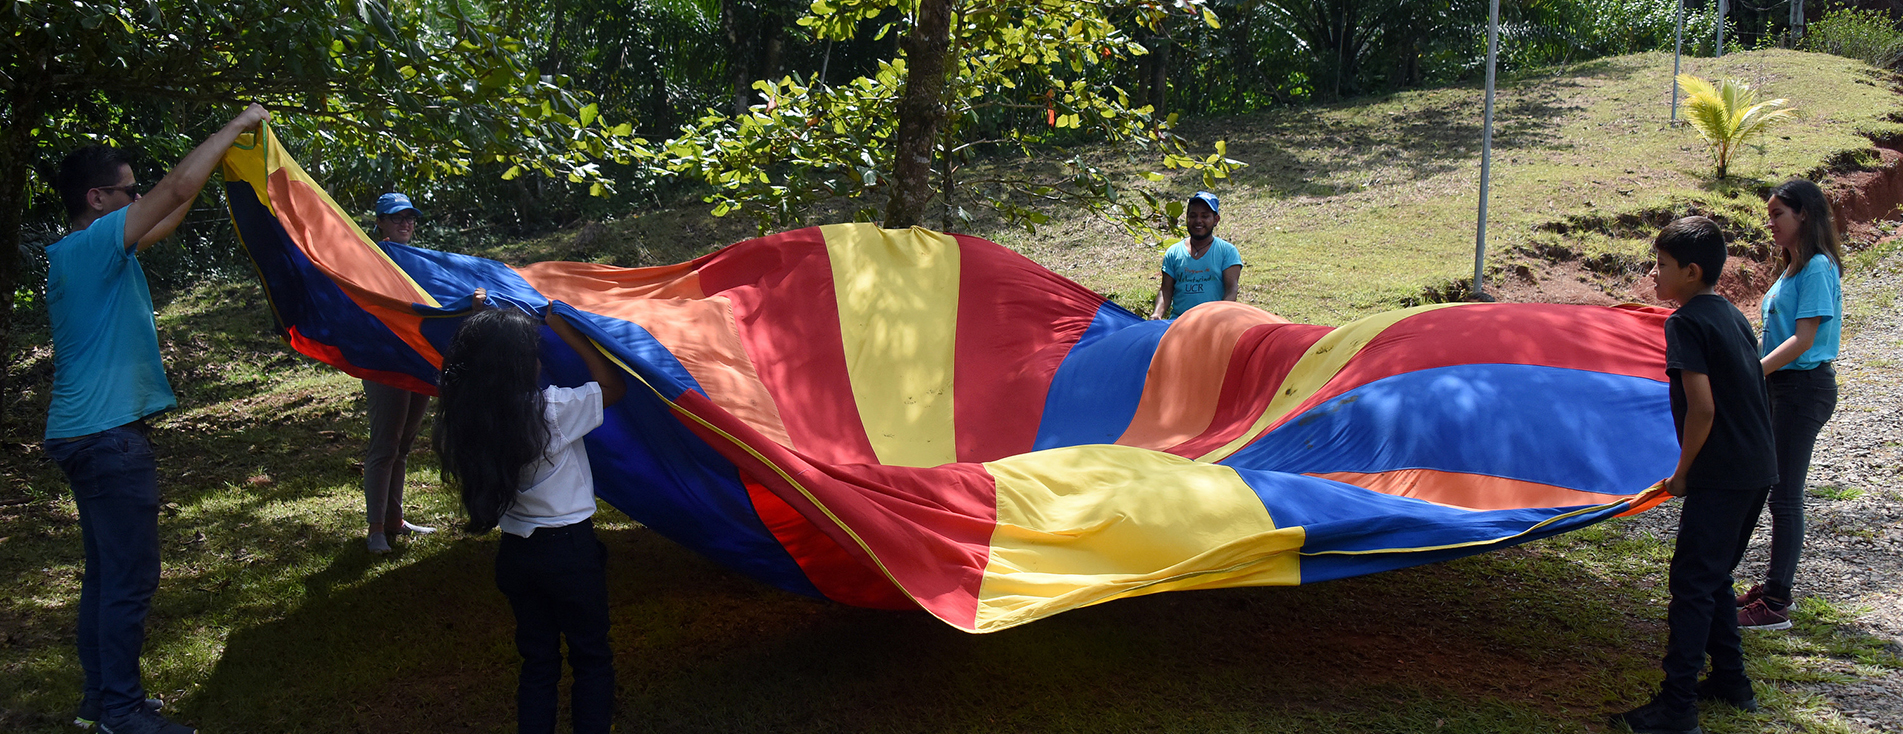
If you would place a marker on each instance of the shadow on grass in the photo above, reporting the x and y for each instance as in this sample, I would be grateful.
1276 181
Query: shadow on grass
1409 136
1501 642
1414 135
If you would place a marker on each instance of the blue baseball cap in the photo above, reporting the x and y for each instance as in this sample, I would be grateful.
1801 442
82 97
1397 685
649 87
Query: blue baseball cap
392 203
1209 199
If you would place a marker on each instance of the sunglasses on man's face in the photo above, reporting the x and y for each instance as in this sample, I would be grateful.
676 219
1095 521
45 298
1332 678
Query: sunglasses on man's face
132 190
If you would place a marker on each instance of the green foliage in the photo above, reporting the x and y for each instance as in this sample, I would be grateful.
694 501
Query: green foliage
1278 52
1565 32
1867 35
1729 114
424 94
642 61
373 97
1025 79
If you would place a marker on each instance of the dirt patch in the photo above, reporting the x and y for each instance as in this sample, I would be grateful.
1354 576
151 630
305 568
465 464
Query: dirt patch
1859 198
1542 272
1574 281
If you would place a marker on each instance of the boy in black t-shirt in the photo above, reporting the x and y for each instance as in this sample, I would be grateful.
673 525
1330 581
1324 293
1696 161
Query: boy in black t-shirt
1726 466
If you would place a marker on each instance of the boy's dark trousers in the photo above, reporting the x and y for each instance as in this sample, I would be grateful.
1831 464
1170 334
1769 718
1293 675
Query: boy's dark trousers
556 581
1713 529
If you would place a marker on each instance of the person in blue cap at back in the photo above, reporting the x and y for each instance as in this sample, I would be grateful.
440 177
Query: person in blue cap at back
1201 268
396 414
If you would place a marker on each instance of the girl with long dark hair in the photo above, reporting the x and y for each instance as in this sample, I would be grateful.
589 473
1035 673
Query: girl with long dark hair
1803 315
516 453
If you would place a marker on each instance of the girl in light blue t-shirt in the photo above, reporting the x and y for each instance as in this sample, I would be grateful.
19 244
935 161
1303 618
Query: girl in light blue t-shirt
1803 318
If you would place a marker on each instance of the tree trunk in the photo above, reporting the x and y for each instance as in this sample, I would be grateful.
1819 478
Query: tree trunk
775 33
1344 32
554 61
737 56
1160 76
945 189
1249 76
1142 85
921 111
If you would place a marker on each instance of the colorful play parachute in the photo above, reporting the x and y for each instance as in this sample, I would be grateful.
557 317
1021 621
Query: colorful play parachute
908 419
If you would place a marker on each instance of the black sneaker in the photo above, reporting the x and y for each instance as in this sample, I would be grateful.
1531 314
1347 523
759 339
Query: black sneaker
1739 696
1658 718
144 722
89 713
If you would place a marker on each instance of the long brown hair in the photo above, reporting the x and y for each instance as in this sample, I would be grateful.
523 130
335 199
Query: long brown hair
489 422
1817 233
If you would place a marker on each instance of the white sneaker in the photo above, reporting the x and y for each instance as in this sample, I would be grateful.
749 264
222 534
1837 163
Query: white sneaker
379 544
409 527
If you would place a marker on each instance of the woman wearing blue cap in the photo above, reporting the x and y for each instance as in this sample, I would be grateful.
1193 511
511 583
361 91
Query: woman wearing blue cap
1201 268
396 414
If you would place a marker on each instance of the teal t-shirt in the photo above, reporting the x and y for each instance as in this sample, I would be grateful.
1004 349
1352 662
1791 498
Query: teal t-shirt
1198 279
1815 291
106 366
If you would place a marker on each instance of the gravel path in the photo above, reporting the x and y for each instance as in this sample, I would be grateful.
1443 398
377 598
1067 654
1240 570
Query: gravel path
1853 546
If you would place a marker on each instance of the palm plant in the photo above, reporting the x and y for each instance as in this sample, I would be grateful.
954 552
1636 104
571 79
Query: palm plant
1728 114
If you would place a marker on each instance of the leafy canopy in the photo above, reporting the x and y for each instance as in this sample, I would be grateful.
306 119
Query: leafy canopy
1025 78
401 99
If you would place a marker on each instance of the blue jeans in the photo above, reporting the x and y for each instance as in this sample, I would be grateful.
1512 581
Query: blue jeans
115 482
556 581
1801 402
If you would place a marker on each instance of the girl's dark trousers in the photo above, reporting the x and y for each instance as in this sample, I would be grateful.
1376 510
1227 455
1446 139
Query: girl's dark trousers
557 583
1801 402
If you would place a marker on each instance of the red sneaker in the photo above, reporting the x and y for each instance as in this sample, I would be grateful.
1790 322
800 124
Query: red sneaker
1745 599
1758 615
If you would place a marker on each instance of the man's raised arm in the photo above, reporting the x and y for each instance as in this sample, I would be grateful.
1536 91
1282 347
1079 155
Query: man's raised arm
155 215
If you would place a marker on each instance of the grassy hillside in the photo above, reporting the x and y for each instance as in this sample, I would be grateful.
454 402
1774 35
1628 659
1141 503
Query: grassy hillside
1371 204
1366 205
271 616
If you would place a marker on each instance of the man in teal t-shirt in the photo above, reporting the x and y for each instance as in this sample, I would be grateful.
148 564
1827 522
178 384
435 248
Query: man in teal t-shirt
1202 268
107 379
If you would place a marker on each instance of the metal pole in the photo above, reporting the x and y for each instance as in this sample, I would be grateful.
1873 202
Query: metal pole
1486 155
1724 6
1678 49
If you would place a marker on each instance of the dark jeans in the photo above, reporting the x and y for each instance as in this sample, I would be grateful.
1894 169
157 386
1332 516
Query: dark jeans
1703 617
1801 402
115 482
556 581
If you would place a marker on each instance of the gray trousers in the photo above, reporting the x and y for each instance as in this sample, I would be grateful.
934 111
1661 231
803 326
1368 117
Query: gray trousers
396 415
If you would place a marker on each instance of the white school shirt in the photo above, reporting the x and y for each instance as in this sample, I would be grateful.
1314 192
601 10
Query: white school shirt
560 486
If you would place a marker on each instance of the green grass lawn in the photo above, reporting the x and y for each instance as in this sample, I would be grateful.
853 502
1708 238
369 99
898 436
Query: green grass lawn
272 617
